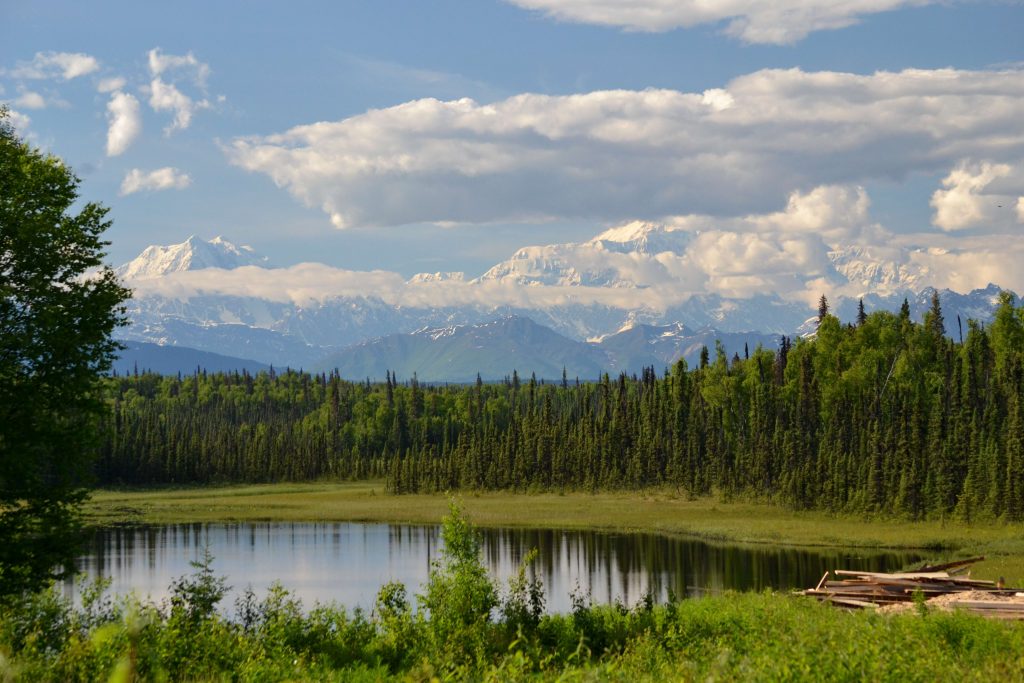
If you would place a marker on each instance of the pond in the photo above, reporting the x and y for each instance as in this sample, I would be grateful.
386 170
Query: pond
347 563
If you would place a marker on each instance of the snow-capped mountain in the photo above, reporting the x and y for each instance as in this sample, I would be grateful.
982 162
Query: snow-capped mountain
619 284
453 276
879 271
192 254
619 257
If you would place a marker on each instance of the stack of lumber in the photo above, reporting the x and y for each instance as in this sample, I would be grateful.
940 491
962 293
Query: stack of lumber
948 585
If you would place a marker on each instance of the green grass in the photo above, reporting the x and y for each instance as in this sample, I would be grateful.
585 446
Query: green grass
654 511
755 637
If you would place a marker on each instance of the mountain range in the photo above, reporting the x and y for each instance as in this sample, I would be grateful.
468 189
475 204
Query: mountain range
605 304
494 349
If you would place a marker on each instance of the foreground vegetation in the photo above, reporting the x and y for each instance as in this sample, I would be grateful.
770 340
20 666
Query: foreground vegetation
462 626
882 416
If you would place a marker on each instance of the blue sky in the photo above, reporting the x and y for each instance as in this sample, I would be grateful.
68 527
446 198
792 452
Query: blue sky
274 66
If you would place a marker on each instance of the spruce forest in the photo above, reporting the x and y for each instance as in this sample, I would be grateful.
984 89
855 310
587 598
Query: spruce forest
882 414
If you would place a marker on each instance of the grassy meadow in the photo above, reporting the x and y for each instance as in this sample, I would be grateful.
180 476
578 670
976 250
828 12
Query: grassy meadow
658 511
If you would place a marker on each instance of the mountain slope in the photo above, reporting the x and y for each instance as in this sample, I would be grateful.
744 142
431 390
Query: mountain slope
457 354
496 348
192 254
171 360
637 346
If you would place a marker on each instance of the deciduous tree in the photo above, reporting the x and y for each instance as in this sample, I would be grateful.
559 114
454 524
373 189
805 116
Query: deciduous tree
58 307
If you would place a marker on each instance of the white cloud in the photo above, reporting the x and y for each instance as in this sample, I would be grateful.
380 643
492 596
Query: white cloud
618 155
976 265
18 120
110 84
779 253
753 21
306 283
30 100
160 63
966 201
1020 209
125 123
66 65
838 214
166 178
166 97
163 90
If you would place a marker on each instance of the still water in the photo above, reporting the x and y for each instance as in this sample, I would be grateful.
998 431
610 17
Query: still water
347 563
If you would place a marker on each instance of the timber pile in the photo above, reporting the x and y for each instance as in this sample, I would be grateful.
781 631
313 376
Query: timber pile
945 585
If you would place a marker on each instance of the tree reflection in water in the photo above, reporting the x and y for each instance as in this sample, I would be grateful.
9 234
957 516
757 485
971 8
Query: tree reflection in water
347 563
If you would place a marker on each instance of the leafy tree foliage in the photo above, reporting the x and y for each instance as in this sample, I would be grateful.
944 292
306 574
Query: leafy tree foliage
58 307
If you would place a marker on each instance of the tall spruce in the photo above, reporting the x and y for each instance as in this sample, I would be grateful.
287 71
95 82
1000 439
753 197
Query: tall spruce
872 417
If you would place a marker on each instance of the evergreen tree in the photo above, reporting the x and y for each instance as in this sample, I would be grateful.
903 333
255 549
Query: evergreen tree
933 319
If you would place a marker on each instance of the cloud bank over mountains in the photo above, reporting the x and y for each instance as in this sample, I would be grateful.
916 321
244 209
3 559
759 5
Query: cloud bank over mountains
824 241
621 155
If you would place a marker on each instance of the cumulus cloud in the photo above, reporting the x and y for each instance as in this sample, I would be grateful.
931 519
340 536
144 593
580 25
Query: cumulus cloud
163 90
65 65
972 196
752 21
160 63
969 267
763 263
659 266
836 213
110 84
166 97
18 120
308 283
779 253
1020 209
125 123
30 100
166 178
617 155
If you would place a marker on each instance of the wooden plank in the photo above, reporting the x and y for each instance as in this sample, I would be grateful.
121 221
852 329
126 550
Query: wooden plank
847 602
990 604
895 577
887 599
948 565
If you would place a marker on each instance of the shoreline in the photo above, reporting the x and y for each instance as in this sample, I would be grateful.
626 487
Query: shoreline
656 511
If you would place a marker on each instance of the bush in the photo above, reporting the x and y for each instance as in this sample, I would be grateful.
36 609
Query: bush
459 595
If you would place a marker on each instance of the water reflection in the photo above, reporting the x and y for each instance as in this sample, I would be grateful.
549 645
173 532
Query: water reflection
348 562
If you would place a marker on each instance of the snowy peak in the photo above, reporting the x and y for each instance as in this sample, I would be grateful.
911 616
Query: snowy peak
642 237
192 254
423 278
879 270
618 257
